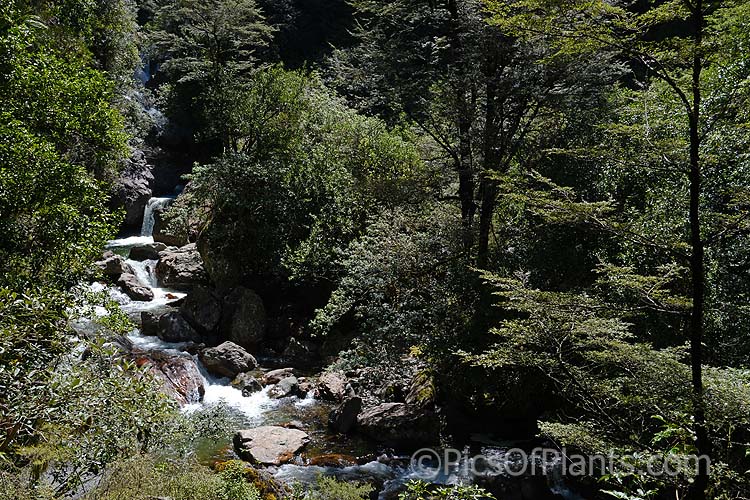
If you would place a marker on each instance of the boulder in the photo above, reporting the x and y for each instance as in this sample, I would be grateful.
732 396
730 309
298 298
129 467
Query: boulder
286 387
113 265
227 360
178 375
149 324
181 268
247 384
202 309
269 445
132 189
398 424
133 288
244 318
148 251
343 418
173 327
334 386
274 376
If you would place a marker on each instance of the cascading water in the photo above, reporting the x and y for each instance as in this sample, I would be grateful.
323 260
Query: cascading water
147 229
260 408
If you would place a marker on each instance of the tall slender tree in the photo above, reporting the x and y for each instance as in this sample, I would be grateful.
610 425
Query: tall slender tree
676 42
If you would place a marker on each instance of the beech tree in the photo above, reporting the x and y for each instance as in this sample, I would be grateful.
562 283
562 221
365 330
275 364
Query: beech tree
682 46
481 95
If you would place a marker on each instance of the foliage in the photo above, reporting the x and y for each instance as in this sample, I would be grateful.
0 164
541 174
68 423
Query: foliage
484 99
55 97
419 490
615 393
329 488
208 52
306 173
151 476
406 287
68 414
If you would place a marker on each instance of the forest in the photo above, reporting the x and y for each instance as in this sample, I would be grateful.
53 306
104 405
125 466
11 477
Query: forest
374 249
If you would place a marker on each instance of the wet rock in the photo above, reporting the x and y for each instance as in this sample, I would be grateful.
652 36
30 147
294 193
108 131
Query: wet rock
181 268
333 460
133 288
307 386
244 318
173 327
132 189
269 445
149 323
295 424
178 375
334 386
286 387
202 309
399 424
274 376
113 265
247 384
149 251
227 360
343 418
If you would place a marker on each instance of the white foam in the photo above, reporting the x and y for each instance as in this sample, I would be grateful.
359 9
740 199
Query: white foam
130 241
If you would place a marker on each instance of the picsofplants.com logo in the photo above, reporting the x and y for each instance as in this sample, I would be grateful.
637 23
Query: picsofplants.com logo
430 464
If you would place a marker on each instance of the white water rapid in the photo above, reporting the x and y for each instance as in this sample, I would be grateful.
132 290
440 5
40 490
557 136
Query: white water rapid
260 408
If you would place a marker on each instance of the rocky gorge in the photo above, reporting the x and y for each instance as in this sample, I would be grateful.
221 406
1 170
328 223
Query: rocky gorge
207 345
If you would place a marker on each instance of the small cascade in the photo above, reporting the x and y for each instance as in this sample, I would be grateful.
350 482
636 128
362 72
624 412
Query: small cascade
147 229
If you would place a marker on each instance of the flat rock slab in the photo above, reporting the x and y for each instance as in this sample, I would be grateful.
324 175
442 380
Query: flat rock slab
269 444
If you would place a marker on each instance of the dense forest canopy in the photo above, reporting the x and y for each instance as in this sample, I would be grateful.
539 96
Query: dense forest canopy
371 227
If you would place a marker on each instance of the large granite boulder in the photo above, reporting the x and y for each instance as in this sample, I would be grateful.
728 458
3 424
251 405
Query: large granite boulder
173 327
286 387
334 386
343 418
178 375
244 318
227 360
274 376
181 268
202 309
147 251
133 288
398 424
248 384
161 232
269 445
149 324
113 265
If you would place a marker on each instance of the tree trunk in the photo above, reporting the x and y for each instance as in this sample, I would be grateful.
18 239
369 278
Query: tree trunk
464 120
490 162
697 268
489 195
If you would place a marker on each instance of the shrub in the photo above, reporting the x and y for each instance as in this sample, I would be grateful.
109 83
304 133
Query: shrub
419 490
303 175
329 488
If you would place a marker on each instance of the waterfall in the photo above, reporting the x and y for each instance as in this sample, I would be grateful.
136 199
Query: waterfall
147 229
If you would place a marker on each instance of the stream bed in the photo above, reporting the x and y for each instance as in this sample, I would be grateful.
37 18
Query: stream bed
358 458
